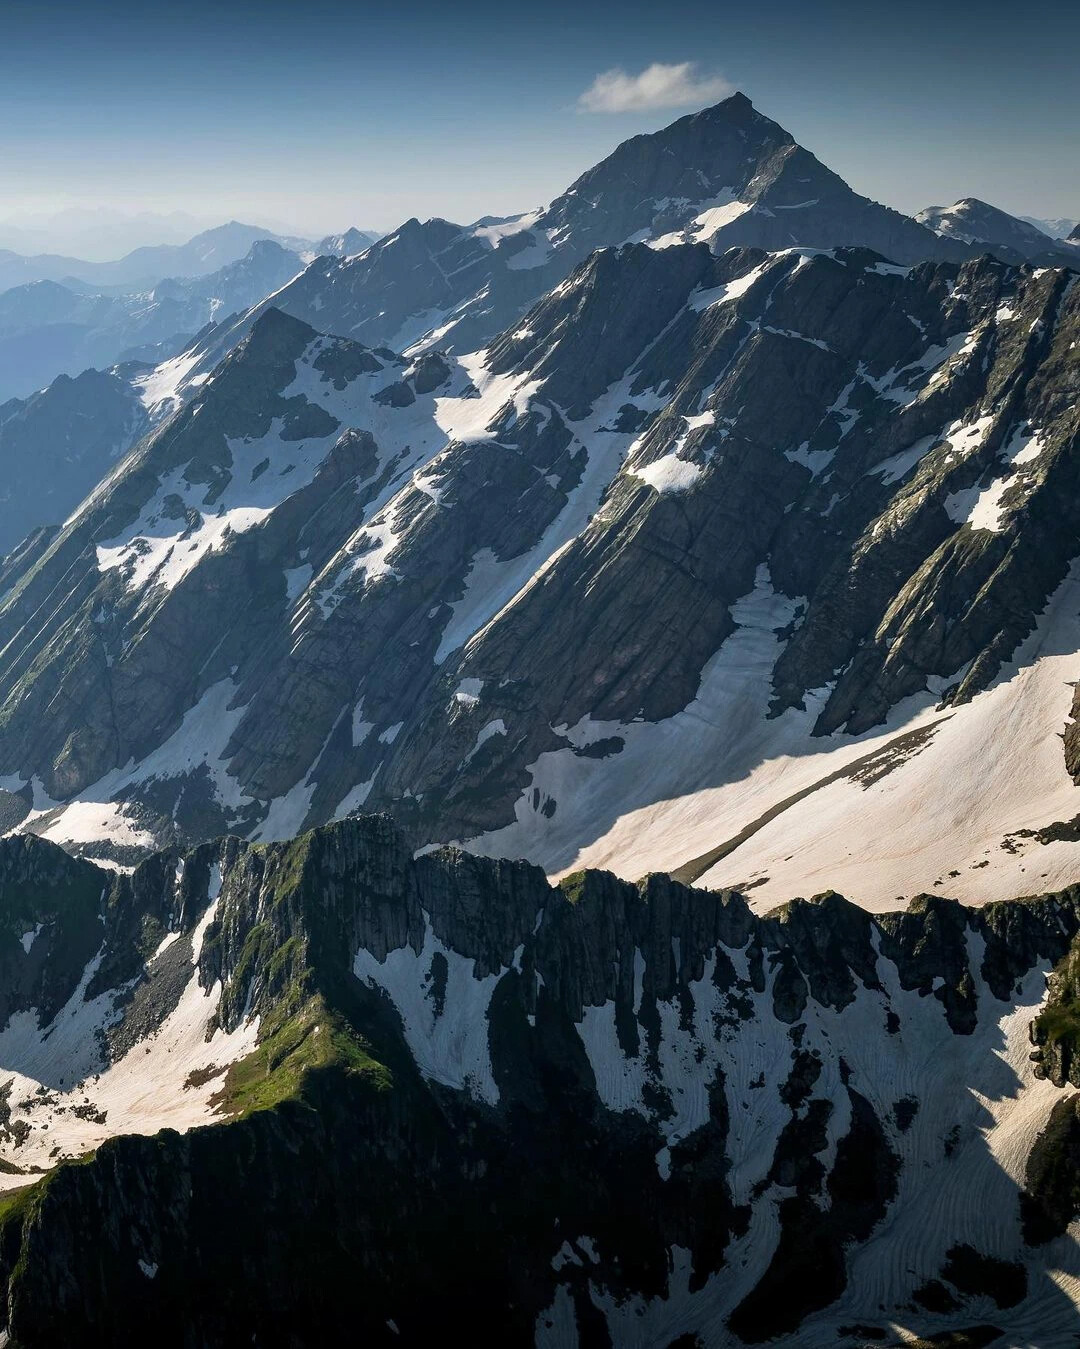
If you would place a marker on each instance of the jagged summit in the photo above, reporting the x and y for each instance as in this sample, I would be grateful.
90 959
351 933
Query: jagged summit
727 175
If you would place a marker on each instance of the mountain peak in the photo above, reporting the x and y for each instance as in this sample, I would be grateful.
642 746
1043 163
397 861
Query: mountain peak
273 324
982 225
737 103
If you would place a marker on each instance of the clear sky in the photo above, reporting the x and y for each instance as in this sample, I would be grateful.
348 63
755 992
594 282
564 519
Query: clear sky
322 114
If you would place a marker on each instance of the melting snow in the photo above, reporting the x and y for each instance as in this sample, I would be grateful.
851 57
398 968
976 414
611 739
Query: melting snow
981 507
669 474
449 1044
55 1069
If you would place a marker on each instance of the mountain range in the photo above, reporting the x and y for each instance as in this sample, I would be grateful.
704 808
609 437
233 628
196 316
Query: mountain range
144 267
706 539
1057 227
48 329
811 494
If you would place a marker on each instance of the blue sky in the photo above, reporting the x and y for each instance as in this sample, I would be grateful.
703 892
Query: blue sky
325 114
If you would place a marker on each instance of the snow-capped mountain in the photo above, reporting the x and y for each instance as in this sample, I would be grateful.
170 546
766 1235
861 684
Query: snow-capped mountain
726 176
48 329
816 1129
1057 227
705 541
975 222
712 525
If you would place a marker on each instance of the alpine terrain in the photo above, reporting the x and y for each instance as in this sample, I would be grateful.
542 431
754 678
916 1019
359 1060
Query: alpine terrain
538 777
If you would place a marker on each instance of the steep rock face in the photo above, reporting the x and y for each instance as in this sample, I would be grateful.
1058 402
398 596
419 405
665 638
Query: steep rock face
394 1039
190 527
57 445
843 462
460 588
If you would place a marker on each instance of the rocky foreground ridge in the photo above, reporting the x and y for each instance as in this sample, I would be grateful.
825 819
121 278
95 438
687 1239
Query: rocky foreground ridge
412 1093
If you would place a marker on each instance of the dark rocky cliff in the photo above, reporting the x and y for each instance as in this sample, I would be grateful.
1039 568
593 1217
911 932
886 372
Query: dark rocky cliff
370 1179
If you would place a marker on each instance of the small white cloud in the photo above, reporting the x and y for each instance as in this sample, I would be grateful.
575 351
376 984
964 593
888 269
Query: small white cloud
657 86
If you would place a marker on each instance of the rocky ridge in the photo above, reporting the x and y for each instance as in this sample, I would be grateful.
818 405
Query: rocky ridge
389 1039
727 176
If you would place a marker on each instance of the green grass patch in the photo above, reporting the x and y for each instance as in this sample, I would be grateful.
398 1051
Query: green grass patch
310 1040
14 1202
573 886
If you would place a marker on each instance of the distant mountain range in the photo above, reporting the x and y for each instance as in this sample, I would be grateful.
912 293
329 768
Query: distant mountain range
345 245
1057 227
145 267
97 233
48 327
